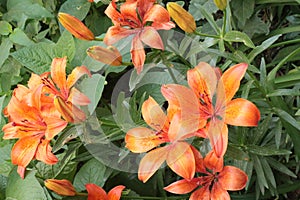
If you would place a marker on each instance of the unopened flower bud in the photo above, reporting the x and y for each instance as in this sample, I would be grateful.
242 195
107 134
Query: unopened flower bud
182 18
221 4
109 55
61 187
75 26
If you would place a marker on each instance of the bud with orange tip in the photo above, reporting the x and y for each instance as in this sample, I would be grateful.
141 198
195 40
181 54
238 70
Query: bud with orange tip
221 4
109 55
61 187
182 18
75 26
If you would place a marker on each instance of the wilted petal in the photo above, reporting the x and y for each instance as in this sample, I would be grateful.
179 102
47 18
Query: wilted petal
151 38
61 187
241 112
109 55
137 54
58 74
232 178
202 193
141 139
231 79
213 163
78 98
76 74
182 18
95 192
75 26
182 187
151 162
24 150
153 115
181 160
218 193
44 153
115 193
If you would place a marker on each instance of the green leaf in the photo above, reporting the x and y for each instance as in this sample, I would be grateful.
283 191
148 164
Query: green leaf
288 80
261 179
284 92
5 28
266 44
27 188
244 10
237 36
255 25
3 186
280 167
208 5
65 46
19 37
91 172
268 171
236 153
93 88
77 8
5 164
5 47
266 151
288 118
37 57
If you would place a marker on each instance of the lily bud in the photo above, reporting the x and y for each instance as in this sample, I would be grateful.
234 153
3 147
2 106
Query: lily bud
182 18
221 4
69 112
75 26
61 187
109 55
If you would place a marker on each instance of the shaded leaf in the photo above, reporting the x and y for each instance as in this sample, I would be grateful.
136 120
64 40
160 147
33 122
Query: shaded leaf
237 36
244 10
5 47
208 5
77 8
19 37
280 167
5 28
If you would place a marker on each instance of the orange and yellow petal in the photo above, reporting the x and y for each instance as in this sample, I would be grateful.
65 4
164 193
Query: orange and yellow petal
78 98
157 14
151 162
213 162
76 74
141 139
241 112
150 37
116 192
218 136
232 178
116 33
138 55
181 160
95 192
58 74
231 79
109 55
182 187
153 115
62 187
217 192
202 193
44 153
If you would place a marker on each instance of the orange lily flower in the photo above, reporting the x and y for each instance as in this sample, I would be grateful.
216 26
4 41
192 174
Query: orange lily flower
214 100
109 55
97 193
65 95
214 184
62 187
35 123
142 19
178 154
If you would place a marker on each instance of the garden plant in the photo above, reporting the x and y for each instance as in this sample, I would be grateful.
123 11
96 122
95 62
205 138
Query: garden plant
149 99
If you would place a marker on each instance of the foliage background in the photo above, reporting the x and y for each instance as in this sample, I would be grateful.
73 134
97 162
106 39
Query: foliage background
263 33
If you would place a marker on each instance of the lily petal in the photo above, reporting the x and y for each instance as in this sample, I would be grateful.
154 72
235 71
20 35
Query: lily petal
153 115
181 160
202 193
214 163
115 193
151 38
116 33
138 56
24 150
76 74
141 139
231 79
54 127
78 98
200 167
232 178
241 112
182 187
128 11
58 74
62 187
44 153
218 193
218 136
95 192
113 14
157 14
151 162
143 7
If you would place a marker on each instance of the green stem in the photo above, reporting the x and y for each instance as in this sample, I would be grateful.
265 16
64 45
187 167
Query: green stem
126 63
285 43
98 39
206 35
169 66
224 23
81 194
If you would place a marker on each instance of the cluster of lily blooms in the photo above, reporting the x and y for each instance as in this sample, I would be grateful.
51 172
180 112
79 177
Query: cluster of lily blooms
39 112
